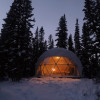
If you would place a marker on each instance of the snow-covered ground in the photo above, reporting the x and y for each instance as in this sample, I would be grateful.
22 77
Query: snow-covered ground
49 89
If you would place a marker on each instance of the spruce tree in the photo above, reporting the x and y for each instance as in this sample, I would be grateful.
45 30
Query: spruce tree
97 21
62 33
41 41
98 33
92 19
77 39
86 38
2 66
39 44
86 50
50 42
70 43
97 29
16 38
45 45
36 44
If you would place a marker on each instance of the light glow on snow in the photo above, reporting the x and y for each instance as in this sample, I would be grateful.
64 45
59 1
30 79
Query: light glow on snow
49 88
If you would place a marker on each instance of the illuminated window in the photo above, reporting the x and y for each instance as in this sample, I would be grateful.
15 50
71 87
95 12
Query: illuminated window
60 66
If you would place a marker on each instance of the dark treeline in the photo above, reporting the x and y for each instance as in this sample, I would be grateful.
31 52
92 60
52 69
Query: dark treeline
91 39
20 48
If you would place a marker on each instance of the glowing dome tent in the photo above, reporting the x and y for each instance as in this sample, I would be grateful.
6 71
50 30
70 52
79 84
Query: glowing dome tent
58 62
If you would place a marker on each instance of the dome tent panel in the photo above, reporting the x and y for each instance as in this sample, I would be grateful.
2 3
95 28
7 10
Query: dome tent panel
59 68
49 61
62 61
59 62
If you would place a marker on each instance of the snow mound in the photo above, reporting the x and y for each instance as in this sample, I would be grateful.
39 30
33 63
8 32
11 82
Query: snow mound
49 89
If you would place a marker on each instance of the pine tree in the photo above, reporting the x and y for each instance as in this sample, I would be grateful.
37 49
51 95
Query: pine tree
62 33
70 43
45 45
97 29
16 39
98 33
2 59
86 50
86 38
97 21
39 44
41 41
77 39
50 42
92 19
36 44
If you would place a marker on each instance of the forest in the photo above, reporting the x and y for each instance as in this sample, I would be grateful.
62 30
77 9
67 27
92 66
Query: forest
20 48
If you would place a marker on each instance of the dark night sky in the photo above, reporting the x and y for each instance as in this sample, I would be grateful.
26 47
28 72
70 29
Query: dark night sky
48 12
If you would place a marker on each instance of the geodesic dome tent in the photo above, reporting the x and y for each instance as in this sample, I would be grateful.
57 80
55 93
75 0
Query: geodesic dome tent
58 62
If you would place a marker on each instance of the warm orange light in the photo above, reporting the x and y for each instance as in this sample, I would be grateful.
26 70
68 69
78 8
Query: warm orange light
53 69
57 57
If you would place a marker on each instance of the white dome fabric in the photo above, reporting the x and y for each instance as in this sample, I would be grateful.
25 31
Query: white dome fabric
62 53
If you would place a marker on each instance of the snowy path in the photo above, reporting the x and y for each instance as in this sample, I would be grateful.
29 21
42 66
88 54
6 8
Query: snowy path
48 89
